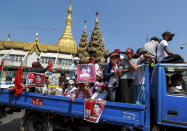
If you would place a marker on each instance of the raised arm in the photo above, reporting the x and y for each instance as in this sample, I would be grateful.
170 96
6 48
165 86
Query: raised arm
168 51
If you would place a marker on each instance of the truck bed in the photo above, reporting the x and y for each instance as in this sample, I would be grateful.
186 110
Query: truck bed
114 112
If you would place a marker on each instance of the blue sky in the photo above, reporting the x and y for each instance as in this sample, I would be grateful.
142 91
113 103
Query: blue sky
123 23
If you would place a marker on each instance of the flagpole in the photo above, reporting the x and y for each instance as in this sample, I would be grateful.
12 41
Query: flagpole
1 73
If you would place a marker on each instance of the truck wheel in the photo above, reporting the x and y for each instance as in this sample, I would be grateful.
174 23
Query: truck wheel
37 122
155 128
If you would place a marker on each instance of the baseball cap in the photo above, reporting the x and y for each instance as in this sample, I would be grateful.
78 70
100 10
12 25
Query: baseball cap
140 51
168 33
76 58
155 38
71 82
129 51
114 54
118 50
102 84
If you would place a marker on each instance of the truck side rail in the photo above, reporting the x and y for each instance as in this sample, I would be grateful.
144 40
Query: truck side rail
114 112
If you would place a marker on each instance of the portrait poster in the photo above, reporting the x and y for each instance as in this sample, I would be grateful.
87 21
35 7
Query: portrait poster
35 80
86 73
54 80
93 109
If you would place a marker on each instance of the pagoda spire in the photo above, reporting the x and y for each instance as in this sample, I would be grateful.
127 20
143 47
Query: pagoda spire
66 40
96 20
83 46
36 39
96 48
84 25
8 36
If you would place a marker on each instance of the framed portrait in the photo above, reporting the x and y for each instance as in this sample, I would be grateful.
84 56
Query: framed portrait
93 109
35 80
86 73
54 80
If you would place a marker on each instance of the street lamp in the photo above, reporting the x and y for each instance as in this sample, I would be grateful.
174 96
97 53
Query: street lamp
182 45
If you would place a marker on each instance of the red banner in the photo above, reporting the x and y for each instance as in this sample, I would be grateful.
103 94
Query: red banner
38 102
86 73
35 80
93 110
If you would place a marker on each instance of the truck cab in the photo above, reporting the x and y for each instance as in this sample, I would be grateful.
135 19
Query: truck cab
168 89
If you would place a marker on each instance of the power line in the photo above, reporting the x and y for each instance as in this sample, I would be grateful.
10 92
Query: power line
27 27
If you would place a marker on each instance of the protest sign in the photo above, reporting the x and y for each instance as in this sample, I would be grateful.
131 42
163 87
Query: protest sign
54 80
86 73
35 79
93 109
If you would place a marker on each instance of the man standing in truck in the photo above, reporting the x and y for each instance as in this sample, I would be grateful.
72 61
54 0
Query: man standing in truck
151 47
127 76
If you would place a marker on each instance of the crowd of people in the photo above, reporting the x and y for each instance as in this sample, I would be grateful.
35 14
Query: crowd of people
122 77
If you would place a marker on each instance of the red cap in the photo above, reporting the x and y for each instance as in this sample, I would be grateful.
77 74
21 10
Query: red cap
34 63
91 60
118 50
114 54
102 84
129 51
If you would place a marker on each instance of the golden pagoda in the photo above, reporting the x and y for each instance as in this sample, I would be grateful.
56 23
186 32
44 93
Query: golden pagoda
66 44
67 41
96 48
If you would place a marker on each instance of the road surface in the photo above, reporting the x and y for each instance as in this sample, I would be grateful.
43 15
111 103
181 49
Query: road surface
11 122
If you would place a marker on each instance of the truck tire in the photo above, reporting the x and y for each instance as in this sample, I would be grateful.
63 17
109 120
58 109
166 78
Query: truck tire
37 122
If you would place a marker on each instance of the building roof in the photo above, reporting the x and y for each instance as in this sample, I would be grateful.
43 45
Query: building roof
33 46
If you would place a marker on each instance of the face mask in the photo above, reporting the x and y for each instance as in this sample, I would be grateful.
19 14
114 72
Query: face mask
76 62
170 38
70 86
126 56
100 89
96 88
114 61
179 83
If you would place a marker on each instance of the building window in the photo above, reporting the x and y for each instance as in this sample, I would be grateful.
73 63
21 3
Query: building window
59 61
16 58
45 60
1 55
64 62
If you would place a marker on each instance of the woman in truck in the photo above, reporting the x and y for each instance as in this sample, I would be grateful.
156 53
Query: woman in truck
81 92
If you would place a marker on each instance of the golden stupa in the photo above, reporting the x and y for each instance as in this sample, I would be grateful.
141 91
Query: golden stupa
67 41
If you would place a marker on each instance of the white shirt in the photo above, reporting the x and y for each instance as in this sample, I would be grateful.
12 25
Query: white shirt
139 74
161 53
173 89
150 47
97 69
69 91
100 96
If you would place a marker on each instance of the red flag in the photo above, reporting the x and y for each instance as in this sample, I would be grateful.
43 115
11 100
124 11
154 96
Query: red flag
50 66
1 66
18 82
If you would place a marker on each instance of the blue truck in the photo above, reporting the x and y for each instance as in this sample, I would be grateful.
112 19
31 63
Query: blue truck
162 110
